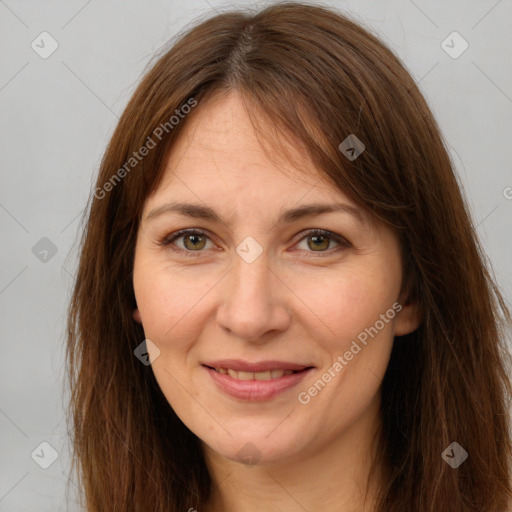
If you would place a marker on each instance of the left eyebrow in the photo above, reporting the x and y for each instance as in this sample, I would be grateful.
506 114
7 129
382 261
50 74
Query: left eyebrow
311 210
288 216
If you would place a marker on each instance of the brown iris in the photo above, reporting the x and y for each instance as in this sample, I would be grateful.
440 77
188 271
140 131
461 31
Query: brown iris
196 242
316 244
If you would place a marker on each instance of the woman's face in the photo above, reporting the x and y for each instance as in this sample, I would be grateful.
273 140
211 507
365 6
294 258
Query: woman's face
251 285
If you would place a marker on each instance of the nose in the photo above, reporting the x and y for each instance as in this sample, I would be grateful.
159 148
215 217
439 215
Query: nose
255 301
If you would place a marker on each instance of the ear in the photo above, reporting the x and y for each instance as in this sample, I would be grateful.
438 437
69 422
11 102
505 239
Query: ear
408 318
136 316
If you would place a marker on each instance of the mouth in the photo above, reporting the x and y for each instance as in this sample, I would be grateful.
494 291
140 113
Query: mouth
256 381
275 373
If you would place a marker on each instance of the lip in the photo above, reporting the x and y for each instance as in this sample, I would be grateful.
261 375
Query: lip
244 366
257 390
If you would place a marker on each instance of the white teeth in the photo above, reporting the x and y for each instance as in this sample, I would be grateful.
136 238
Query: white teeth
245 375
233 373
262 375
266 375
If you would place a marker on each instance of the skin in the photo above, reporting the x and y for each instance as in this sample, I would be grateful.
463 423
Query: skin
295 302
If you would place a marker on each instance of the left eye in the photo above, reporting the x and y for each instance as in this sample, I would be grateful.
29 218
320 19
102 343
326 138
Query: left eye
318 240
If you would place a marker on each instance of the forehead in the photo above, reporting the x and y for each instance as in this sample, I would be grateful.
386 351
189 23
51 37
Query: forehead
219 153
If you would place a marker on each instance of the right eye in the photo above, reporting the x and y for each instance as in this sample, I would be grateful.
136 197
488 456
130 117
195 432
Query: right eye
193 241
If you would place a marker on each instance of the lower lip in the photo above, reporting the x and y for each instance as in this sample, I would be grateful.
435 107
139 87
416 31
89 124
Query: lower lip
256 390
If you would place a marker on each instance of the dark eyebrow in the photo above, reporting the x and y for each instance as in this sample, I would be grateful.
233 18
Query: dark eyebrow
204 212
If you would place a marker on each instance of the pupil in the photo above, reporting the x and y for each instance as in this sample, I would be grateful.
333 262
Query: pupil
194 240
318 240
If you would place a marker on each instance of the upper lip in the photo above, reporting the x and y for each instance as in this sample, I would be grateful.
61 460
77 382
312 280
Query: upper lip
262 366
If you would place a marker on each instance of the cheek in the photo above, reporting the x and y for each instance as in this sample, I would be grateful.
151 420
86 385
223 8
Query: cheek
355 332
346 302
169 303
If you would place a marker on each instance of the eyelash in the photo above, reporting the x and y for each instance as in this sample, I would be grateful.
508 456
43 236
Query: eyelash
168 240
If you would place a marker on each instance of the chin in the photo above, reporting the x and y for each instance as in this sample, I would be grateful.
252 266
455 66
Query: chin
255 449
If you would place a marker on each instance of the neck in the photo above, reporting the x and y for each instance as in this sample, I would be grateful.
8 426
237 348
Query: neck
334 477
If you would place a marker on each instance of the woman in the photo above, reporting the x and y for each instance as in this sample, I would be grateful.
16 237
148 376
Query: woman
281 303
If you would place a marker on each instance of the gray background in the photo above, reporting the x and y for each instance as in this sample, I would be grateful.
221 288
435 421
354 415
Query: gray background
58 114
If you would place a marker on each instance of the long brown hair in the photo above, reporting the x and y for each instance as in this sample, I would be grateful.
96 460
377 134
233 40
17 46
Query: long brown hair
316 76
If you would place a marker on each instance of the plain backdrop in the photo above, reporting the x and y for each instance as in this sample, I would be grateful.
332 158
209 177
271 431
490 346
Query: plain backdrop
58 113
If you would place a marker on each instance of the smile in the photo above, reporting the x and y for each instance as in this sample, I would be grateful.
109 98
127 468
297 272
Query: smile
267 375
263 384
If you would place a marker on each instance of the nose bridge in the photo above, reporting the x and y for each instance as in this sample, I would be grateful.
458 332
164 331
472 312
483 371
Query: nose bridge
254 303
